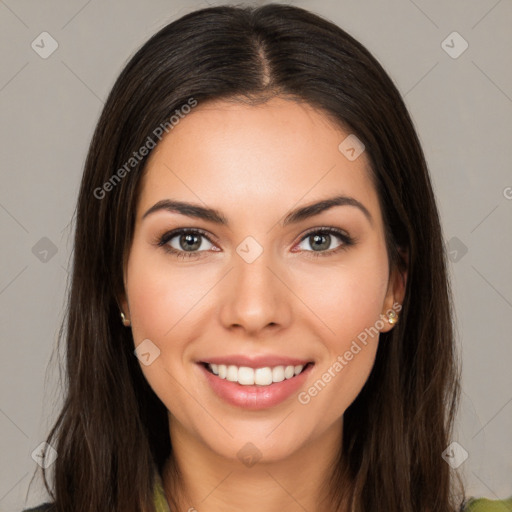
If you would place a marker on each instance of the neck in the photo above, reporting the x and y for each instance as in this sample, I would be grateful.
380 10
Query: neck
208 482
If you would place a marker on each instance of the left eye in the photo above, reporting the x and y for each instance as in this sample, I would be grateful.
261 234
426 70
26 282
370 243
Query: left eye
321 239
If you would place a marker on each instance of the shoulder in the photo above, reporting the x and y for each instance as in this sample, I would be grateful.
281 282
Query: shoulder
485 505
45 507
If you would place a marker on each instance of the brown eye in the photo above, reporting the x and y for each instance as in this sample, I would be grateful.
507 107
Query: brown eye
185 242
321 241
189 242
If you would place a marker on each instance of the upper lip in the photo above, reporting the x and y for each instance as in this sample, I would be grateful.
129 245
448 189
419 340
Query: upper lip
256 361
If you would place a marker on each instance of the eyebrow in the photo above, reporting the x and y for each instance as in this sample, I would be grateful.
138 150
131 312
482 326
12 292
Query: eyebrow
295 216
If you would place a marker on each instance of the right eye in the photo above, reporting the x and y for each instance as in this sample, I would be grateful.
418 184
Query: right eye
184 242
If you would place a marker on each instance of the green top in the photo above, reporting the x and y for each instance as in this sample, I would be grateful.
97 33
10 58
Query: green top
485 505
473 505
161 504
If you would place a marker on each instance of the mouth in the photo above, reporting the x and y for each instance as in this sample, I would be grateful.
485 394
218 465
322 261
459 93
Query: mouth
255 383
261 376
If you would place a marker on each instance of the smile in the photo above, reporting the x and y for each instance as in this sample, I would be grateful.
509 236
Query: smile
247 376
255 384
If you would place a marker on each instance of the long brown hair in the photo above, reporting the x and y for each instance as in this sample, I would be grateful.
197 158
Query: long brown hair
112 427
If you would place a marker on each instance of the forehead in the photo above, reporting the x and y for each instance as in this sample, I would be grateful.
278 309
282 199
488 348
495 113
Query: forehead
274 155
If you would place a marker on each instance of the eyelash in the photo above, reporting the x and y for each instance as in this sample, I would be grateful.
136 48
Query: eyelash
163 241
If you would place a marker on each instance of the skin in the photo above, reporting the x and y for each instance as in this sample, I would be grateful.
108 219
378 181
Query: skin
255 164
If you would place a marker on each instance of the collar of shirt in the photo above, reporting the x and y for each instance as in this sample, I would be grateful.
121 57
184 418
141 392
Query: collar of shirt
161 504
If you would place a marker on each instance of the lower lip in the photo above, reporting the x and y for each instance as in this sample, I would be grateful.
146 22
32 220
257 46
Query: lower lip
255 397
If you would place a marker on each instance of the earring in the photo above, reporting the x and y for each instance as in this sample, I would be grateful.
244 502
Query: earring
392 318
126 321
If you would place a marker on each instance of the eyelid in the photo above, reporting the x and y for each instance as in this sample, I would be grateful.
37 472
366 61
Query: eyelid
328 229
169 235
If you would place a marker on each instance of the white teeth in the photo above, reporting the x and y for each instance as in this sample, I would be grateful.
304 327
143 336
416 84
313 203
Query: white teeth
245 376
278 374
263 376
232 373
260 376
289 372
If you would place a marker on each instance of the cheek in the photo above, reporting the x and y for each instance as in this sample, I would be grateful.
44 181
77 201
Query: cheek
148 306
160 295
347 297
159 301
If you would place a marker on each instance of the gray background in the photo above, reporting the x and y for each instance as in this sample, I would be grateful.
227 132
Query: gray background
461 108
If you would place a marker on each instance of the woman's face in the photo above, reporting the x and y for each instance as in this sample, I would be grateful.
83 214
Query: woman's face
256 286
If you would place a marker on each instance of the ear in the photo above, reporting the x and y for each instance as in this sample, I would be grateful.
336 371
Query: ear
123 304
396 291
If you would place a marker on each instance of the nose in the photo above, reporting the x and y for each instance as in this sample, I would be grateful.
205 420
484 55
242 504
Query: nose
255 296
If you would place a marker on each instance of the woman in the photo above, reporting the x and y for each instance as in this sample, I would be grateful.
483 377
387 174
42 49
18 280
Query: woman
256 225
